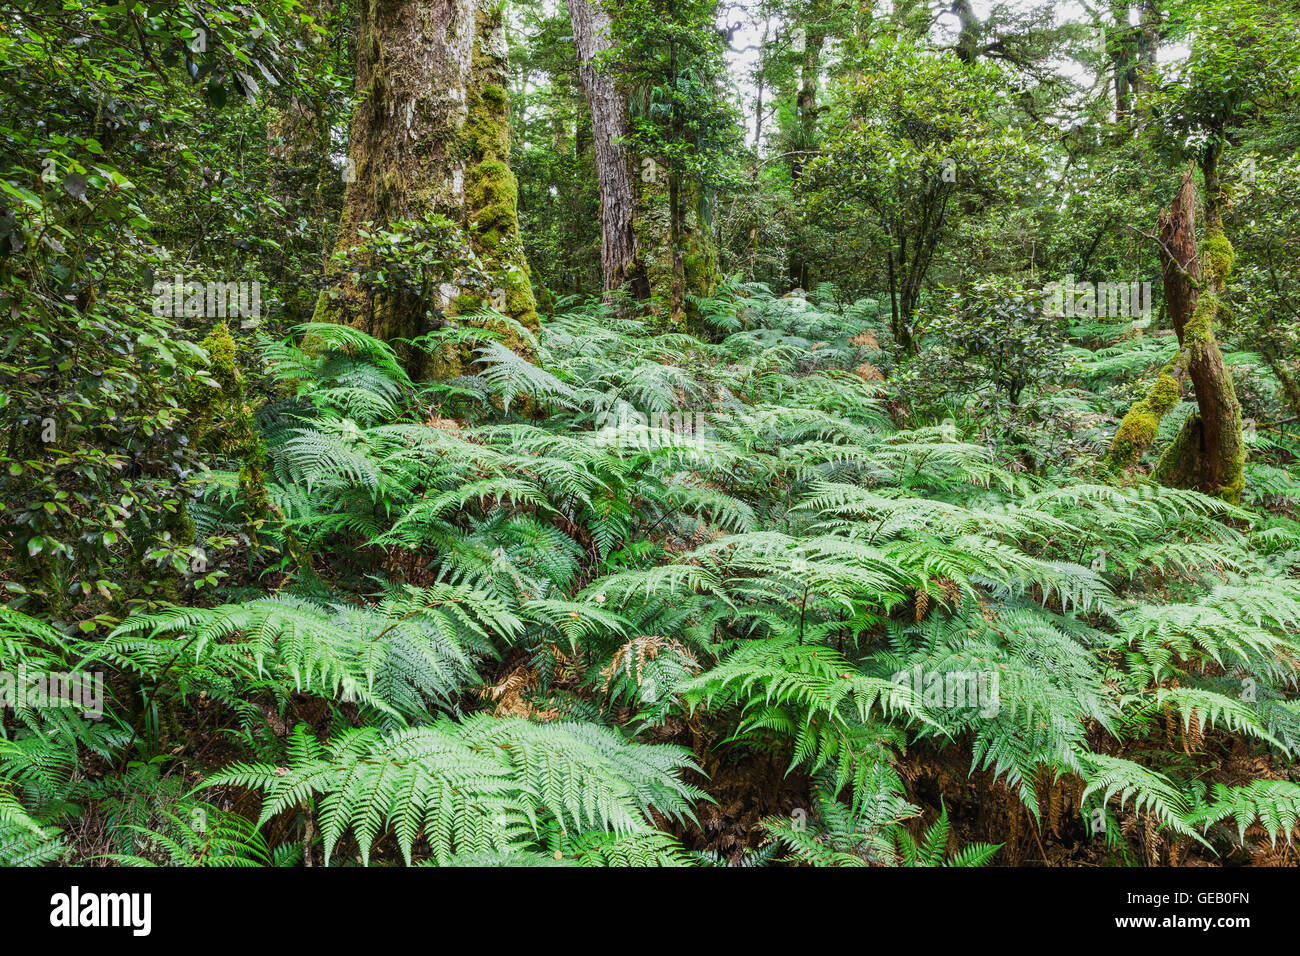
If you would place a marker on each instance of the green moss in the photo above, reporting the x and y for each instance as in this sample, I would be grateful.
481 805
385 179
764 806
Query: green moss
221 422
492 193
464 303
520 301
1177 467
1200 327
1231 492
1135 434
1164 395
206 399
486 133
700 264
545 300
1138 429
492 197
324 311
490 181
1217 257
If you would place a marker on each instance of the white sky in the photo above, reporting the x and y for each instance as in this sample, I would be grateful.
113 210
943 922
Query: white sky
743 55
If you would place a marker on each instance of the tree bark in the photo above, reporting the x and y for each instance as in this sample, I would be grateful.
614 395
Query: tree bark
430 136
1208 452
591 36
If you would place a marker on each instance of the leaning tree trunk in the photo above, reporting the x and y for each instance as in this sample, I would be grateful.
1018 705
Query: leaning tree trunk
1276 356
591 36
430 138
1208 452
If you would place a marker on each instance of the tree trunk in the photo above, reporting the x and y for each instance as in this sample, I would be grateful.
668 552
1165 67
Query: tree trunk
805 143
1122 45
591 36
1208 452
1276 356
431 136
968 35
806 102
1148 42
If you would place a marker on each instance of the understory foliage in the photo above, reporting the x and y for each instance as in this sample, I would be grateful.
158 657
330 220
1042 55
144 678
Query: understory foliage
512 618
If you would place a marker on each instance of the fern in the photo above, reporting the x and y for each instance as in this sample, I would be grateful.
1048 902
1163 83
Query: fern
480 786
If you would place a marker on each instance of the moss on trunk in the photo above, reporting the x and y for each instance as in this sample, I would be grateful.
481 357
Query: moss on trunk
697 256
1209 452
222 424
431 137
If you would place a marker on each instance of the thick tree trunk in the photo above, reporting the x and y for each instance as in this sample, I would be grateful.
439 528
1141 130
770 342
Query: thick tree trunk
431 137
591 36
1208 453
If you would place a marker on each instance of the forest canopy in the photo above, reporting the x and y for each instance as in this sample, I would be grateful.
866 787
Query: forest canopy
650 432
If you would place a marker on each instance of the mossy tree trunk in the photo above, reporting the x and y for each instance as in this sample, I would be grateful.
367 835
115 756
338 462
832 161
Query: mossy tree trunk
1208 452
675 250
430 137
618 250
